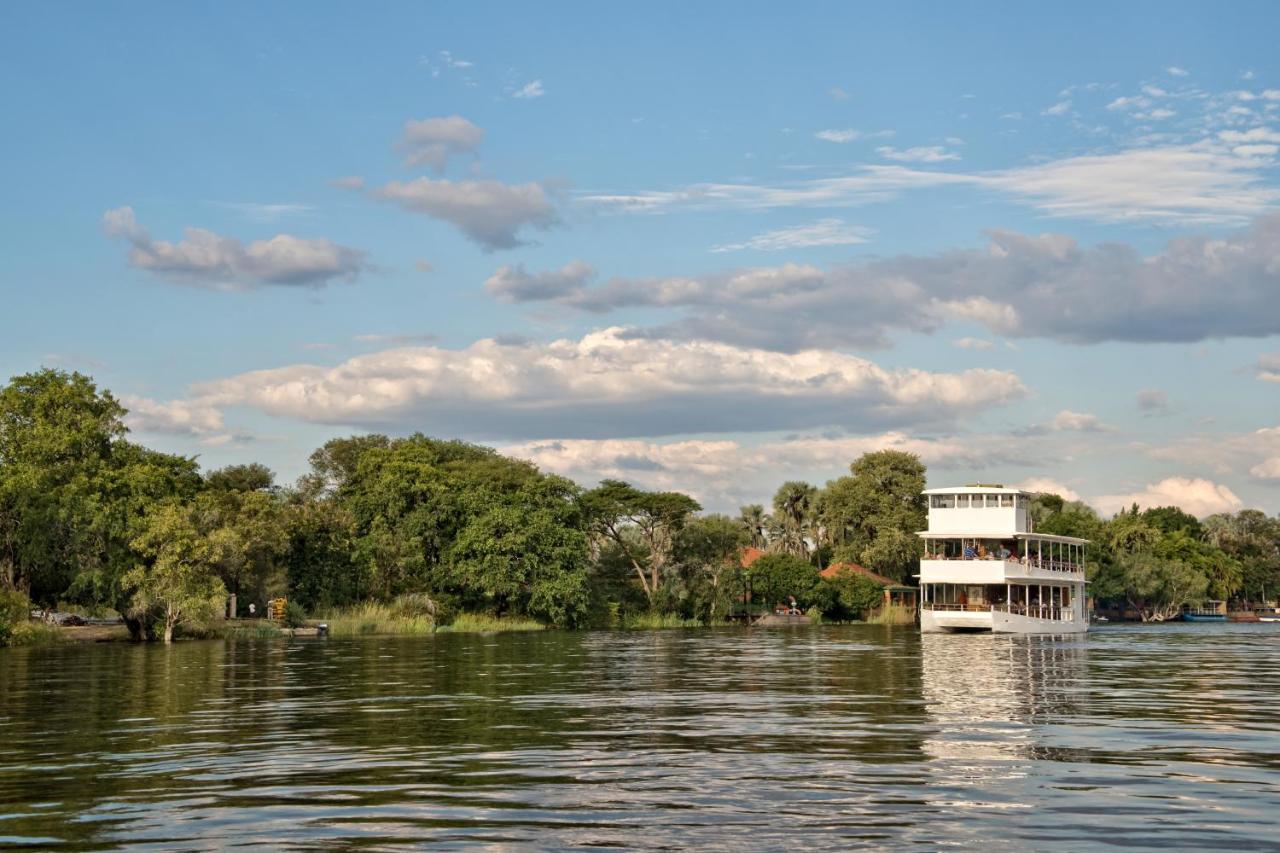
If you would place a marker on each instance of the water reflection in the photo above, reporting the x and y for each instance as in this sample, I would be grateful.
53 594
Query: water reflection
833 737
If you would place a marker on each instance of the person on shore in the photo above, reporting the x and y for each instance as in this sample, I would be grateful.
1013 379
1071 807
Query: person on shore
253 610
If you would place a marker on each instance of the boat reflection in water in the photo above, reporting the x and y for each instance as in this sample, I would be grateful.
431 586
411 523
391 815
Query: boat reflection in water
985 694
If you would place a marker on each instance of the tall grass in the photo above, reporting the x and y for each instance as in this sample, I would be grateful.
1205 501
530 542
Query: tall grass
34 634
483 623
656 622
373 617
892 614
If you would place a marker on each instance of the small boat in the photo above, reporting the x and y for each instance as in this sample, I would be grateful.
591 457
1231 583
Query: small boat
1213 611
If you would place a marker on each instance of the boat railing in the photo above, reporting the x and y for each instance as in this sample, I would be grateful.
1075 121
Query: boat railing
966 608
1029 562
1036 611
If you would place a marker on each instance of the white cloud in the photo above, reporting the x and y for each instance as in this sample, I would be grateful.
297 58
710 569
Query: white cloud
1204 182
608 384
724 474
1077 421
1268 367
824 232
1050 486
530 90
432 141
207 259
919 154
1060 108
1197 496
175 417
490 213
846 135
1175 71
973 343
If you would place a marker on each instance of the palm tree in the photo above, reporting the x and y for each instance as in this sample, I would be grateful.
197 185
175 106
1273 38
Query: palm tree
793 506
753 519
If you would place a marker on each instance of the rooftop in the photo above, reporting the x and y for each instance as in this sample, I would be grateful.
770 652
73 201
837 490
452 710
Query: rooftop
977 488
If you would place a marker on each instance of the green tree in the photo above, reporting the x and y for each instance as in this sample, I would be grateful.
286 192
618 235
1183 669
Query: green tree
854 595
775 578
708 550
176 581
882 494
794 518
755 524
613 508
253 477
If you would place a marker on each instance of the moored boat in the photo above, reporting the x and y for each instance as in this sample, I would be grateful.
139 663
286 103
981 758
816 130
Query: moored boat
1213 611
986 569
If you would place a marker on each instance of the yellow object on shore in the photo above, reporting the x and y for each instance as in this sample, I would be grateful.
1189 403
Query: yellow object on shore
275 608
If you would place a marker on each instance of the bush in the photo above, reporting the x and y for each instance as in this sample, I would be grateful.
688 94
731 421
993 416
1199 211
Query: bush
295 616
15 612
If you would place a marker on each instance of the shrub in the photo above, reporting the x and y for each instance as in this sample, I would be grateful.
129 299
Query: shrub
15 612
295 616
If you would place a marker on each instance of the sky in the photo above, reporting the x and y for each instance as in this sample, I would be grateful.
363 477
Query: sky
707 247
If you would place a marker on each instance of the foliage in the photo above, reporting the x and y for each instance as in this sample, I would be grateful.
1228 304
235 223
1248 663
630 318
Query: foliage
614 509
854 595
15 611
295 615
775 578
880 499
176 581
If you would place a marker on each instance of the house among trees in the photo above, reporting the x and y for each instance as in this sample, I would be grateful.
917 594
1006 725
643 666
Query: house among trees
895 594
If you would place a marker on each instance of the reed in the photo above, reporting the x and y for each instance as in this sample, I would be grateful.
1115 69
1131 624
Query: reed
892 614
483 623
374 617
657 622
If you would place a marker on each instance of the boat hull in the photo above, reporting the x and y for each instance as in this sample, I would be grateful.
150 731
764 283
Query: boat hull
997 622
1193 617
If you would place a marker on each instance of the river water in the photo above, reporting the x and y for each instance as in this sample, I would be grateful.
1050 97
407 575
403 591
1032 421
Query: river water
830 737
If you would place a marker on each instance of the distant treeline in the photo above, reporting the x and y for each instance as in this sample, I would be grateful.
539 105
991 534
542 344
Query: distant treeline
91 519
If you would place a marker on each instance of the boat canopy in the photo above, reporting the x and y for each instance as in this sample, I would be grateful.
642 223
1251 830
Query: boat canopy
987 534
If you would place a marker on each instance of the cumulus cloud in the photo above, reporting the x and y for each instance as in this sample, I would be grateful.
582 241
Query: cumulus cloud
608 384
1196 288
1197 496
432 141
175 417
724 474
489 212
1268 367
824 232
513 284
1046 485
1077 421
1256 453
207 259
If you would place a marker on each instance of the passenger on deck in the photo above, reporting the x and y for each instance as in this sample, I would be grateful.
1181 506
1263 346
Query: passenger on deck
970 552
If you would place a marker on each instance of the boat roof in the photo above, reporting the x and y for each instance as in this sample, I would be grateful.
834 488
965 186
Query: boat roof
976 488
987 534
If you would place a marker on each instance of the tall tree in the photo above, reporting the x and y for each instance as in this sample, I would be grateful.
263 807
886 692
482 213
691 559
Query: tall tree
614 507
755 523
175 582
881 497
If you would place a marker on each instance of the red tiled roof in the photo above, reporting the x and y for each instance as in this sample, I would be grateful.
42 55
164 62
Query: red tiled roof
836 568
750 555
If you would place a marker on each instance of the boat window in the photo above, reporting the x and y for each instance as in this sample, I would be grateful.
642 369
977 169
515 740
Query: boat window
942 501
1006 500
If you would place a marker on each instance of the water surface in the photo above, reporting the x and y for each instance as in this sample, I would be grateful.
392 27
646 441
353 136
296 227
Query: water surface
830 737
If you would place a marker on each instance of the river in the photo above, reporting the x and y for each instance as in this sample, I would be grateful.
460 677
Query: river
830 737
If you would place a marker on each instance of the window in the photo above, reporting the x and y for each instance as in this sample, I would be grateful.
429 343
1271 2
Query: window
942 501
1006 500
962 501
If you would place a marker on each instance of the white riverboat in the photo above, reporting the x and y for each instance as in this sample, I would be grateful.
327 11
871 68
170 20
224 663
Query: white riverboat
986 569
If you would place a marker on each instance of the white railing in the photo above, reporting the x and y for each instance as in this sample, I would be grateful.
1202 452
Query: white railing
1036 611
1029 562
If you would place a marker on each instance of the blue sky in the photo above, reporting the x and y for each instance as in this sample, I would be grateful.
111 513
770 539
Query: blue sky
707 248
